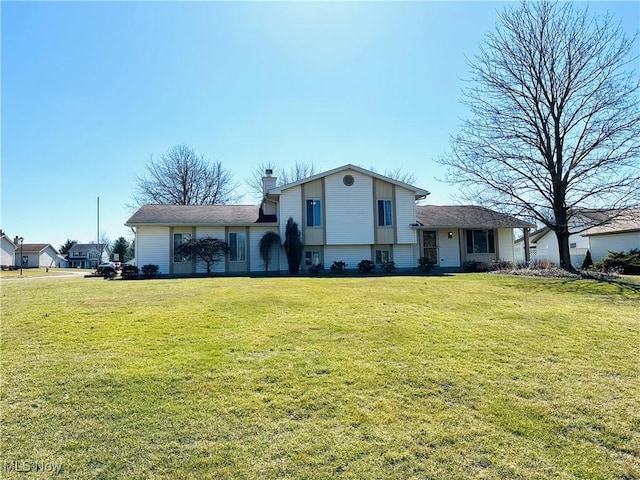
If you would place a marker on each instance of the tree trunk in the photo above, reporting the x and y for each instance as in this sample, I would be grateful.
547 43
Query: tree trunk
563 249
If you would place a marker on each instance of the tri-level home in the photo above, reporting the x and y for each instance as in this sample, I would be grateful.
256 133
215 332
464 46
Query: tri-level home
346 214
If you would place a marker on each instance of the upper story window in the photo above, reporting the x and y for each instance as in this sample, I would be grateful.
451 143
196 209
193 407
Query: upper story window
179 239
237 246
314 212
385 213
481 241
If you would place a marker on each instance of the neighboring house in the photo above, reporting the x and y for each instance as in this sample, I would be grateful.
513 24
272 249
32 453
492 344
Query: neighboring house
85 255
36 255
346 214
7 253
620 235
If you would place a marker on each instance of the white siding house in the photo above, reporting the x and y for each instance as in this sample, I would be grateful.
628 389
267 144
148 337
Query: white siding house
34 255
7 251
620 235
347 214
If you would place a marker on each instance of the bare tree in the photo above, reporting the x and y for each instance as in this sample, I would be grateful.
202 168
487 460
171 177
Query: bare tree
555 122
297 171
182 177
401 175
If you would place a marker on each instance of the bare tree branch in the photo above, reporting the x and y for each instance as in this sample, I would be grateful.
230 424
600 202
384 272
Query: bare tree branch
182 177
555 118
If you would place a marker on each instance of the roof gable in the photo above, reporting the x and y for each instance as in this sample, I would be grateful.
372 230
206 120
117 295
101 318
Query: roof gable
419 192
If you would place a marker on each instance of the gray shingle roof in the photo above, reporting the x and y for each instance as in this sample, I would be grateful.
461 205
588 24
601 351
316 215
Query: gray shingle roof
194 215
466 216
35 247
628 222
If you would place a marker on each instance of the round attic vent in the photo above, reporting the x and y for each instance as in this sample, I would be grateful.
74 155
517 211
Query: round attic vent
348 180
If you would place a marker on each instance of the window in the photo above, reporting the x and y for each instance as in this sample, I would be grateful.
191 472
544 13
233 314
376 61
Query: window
237 247
480 241
573 245
382 256
179 239
385 215
314 213
311 259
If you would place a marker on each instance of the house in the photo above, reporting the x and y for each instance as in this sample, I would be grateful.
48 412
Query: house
34 255
346 214
85 255
7 252
622 234
449 235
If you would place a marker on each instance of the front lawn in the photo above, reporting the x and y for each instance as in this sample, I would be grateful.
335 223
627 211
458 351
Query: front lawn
465 376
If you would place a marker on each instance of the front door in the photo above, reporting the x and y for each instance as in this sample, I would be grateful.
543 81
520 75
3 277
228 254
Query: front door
429 246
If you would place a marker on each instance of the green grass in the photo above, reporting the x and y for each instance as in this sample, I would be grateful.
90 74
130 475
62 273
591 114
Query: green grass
466 376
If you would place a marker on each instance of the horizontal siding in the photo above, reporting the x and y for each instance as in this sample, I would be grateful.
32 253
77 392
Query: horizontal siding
152 247
448 248
505 244
350 254
406 215
256 261
601 245
403 256
349 210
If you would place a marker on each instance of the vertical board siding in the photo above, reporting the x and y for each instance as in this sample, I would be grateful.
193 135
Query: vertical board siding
505 244
350 254
350 213
152 247
449 248
256 262
405 215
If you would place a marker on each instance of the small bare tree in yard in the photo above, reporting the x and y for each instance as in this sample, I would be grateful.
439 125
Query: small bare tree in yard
555 118
209 250
182 177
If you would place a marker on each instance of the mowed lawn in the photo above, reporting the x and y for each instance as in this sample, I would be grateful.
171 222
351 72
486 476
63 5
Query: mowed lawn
464 376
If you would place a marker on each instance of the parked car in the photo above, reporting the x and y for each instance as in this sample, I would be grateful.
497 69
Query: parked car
106 267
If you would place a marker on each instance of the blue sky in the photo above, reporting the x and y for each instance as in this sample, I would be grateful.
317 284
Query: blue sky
91 89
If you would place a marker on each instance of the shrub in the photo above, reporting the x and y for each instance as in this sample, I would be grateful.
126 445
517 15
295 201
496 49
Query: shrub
129 272
315 269
388 267
627 263
366 266
150 271
475 266
587 263
338 267
425 265
501 265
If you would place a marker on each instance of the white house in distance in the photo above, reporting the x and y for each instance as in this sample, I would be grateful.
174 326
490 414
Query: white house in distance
346 214
621 234
85 255
34 255
7 251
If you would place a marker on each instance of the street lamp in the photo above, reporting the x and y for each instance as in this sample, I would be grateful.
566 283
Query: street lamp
21 239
